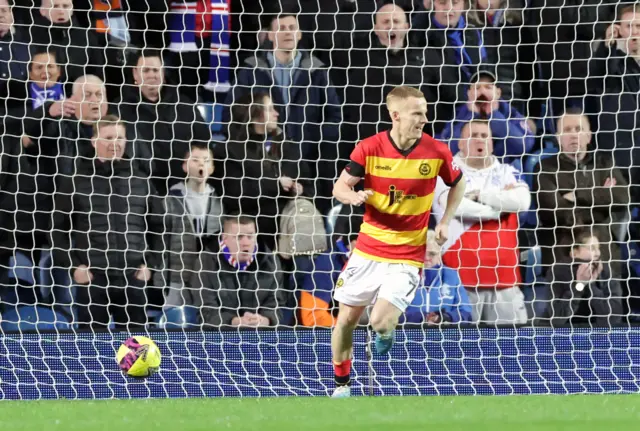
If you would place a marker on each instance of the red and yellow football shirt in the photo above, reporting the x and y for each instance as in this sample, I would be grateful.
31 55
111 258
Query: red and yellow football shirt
396 217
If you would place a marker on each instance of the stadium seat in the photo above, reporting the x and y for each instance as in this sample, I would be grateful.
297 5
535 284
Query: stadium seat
32 318
178 317
22 268
529 166
530 218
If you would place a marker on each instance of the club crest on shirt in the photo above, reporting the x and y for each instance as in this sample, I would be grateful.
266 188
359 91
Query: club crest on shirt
339 283
424 169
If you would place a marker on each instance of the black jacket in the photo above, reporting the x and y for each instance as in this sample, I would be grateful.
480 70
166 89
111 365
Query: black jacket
14 62
162 133
440 60
514 62
20 206
78 50
374 71
615 108
595 204
222 292
599 302
107 216
248 176
563 31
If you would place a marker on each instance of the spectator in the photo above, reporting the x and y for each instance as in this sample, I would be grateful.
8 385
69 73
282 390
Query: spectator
193 219
578 188
44 79
308 106
378 63
28 99
504 37
258 171
22 225
77 48
110 253
509 129
64 131
161 121
483 238
442 298
453 47
316 306
239 283
562 32
14 56
583 289
615 84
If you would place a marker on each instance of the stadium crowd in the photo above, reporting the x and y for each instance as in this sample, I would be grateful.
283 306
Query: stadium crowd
122 202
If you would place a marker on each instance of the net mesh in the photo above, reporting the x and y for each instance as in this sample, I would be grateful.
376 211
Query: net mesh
167 169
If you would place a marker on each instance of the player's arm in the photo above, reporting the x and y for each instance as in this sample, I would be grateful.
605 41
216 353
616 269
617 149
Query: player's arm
454 198
343 188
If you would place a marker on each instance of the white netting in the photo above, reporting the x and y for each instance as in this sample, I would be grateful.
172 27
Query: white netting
169 167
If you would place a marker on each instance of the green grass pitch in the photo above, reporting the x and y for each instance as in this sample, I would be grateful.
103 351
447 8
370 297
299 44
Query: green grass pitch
513 413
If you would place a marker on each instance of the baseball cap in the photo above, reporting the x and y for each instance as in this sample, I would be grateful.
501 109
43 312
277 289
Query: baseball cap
483 73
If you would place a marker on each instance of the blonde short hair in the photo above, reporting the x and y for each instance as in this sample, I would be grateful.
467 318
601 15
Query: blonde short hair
403 92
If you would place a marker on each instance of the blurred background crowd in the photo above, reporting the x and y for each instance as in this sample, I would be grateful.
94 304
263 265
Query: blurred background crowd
170 163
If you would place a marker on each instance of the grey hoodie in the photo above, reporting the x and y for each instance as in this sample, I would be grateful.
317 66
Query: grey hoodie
184 232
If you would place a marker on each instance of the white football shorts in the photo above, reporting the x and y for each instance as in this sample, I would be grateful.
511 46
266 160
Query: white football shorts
364 280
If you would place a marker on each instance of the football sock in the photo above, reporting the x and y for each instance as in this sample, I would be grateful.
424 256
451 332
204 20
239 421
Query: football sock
342 372
385 336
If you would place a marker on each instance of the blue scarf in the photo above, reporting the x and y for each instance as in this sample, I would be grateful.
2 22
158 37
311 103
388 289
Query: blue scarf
455 37
39 95
240 266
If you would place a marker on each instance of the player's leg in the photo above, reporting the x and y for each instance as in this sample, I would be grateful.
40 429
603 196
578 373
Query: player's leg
342 346
355 290
384 319
398 288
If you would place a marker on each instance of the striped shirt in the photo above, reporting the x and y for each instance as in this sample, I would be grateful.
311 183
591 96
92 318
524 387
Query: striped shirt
403 182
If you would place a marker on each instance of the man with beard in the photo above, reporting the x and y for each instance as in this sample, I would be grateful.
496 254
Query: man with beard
511 133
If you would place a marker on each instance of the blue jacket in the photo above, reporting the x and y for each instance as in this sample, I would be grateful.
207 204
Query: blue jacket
442 291
511 135
313 114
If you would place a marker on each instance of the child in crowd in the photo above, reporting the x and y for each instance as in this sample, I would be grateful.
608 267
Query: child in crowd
193 218
581 287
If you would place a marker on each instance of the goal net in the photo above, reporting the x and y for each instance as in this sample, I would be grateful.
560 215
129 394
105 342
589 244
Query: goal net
167 170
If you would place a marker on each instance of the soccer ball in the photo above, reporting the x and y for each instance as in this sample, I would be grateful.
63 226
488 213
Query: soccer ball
139 357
